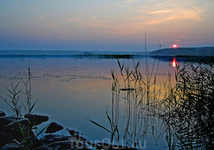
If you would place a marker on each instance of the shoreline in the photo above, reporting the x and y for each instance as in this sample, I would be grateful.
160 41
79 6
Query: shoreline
184 52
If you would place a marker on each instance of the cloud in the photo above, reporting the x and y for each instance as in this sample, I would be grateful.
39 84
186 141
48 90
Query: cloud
152 21
107 26
182 36
94 17
178 40
130 1
40 18
166 12
171 10
185 14
142 17
52 24
94 90
34 8
69 20
161 11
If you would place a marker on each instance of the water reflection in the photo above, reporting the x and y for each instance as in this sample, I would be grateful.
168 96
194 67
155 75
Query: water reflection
183 116
133 115
69 90
174 62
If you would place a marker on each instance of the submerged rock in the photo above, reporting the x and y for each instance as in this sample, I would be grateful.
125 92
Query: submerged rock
72 132
53 137
53 127
2 114
61 142
13 146
4 138
36 119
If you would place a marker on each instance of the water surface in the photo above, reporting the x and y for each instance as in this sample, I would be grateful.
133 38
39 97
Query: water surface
69 90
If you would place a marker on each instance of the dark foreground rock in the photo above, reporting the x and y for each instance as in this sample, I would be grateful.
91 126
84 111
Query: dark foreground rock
36 119
16 133
60 142
2 114
13 146
13 128
53 127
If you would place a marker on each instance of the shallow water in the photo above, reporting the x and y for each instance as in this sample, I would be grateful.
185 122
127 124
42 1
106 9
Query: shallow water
69 90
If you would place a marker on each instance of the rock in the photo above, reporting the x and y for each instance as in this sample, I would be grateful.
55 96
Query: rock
36 119
58 145
19 129
13 146
54 137
58 142
5 120
4 139
2 114
12 128
76 134
29 142
74 145
53 127
72 132
19 122
17 134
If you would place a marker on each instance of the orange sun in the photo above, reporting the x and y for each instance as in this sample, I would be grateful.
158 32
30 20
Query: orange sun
174 46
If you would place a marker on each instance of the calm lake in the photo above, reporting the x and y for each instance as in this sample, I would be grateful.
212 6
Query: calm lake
69 90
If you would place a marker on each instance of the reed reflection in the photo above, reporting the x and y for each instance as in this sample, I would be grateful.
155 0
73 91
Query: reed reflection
136 96
182 115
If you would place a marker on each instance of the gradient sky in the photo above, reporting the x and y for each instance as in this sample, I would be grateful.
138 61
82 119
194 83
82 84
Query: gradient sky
105 24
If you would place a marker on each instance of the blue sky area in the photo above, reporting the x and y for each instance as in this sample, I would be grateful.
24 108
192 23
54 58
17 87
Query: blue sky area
114 25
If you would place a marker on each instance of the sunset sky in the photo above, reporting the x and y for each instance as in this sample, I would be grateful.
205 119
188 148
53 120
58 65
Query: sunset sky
105 24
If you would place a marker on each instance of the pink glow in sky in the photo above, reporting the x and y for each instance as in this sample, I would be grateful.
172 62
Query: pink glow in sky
105 24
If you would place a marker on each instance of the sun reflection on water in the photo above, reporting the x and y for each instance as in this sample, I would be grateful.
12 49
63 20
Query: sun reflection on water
174 62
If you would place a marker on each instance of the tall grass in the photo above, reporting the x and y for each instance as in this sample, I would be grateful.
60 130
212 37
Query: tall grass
29 105
131 89
189 107
16 103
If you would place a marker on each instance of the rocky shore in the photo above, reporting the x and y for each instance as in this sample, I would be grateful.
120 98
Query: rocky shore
18 133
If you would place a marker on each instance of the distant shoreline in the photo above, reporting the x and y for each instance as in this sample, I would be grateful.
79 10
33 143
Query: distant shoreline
184 52
70 54
106 56
191 54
